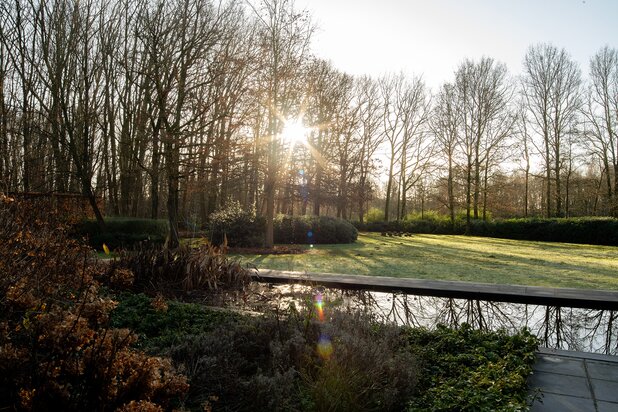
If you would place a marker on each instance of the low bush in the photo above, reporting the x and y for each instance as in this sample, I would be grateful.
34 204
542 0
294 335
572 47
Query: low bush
182 270
429 226
595 231
160 326
313 230
57 351
122 233
240 227
297 360
472 370
237 362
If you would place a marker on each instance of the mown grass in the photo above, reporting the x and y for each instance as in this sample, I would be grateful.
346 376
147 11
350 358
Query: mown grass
461 258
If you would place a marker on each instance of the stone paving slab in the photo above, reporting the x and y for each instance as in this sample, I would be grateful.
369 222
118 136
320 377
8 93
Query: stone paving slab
574 381
602 370
606 407
559 364
560 403
606 391
560 384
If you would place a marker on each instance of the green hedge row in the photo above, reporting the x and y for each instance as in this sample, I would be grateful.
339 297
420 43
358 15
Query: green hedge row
122 232
588 230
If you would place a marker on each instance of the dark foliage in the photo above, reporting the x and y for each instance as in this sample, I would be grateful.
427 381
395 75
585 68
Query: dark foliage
313 230
162 325
472 370
271 362
243 229
594 231
240 227
122 233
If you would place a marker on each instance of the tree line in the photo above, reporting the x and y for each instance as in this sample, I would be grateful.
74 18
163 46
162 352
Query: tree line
174 108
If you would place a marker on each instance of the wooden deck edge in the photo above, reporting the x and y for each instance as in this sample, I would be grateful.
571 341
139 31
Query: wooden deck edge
562 297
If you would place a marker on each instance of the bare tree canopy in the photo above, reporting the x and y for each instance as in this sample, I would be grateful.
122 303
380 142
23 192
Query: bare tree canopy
172 109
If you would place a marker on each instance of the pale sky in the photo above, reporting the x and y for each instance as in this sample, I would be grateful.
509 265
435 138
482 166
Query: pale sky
431 37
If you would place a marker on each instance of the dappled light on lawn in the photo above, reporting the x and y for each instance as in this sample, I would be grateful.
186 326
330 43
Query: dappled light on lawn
459 258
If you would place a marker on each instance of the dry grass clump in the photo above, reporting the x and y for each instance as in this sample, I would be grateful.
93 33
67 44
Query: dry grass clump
186 269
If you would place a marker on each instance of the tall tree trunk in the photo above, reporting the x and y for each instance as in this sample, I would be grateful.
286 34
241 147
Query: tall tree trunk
468 194
389 186
451 197
548 176
558 182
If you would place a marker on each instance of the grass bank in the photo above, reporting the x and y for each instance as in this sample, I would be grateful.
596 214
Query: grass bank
462 258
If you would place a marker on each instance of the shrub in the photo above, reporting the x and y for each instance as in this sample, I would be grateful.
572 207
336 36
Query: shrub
374 215
161 326
183 269
271 361
469 369
122 233
241 227
56 349
369 370
240 362
313 230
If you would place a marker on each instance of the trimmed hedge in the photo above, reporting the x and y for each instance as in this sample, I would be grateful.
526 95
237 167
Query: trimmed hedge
121 232
594 231
244 229
587 230
241 227
313 230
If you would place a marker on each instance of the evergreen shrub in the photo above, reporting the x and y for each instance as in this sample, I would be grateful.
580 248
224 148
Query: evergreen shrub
122 232
313 230
241 227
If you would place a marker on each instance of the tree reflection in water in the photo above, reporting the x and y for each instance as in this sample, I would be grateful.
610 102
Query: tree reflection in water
588 330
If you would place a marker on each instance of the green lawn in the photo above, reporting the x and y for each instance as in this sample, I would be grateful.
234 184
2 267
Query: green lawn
463 258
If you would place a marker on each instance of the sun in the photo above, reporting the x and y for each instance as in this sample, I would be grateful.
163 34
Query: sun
295 132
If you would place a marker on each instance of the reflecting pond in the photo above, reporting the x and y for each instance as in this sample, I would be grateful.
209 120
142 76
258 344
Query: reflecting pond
587 330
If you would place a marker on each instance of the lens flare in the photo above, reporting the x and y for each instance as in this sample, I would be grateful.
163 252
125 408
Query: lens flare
318 302
325 347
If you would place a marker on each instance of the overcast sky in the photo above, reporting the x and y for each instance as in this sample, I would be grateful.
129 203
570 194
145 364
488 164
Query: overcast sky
431 37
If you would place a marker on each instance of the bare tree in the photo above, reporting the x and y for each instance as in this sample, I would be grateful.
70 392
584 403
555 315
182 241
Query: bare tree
417 148
483 94
286 34
551 85
601 113
371 136
445 122
392 89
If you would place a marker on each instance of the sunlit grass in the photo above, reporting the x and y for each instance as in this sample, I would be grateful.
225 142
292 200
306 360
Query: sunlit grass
461 258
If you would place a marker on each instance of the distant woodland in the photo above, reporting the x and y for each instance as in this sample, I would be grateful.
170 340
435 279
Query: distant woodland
172 109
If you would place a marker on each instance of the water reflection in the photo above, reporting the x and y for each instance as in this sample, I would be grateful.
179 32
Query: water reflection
587 330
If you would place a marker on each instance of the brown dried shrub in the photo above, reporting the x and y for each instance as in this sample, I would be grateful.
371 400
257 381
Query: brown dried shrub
56 350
